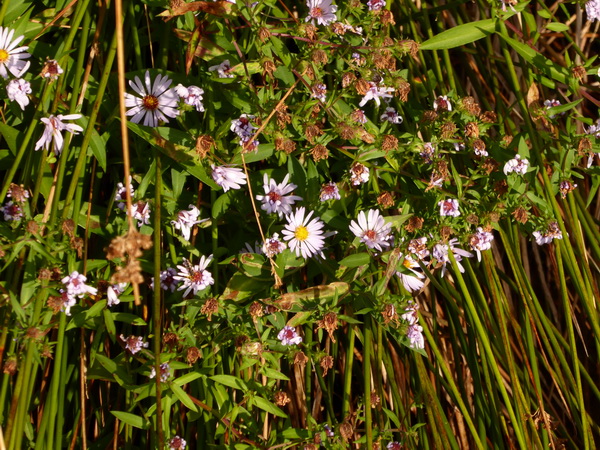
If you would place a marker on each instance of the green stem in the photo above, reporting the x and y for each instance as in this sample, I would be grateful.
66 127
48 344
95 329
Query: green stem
157 307
367 344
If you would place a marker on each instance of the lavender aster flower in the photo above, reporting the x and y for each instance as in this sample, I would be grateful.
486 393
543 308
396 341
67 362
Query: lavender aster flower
11 56
288 336
153 102
17 90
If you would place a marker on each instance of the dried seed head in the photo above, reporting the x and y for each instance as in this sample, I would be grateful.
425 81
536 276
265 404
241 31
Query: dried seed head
281 398
365 136
521 215
44 274
264 34
269 66
471 106
479 147
578 72
10 365
32 227
210 307
386 17
386 199
448 130
55 303
310 73
300 359
308 30
17 192
326 363
204 144
192 355
506 140
347 79
585 146
429 116
362 86
252 348
68 226
329 323
501 187
446 232
311 132
319 57
494 217
488 117
402 89
338 28
490 165
170 339
413 224
389 143
375 399
319 152
256 311
472 219
346 131
471 130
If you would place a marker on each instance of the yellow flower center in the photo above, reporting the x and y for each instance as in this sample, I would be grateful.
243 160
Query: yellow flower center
407 263
3 55
301 233
150 102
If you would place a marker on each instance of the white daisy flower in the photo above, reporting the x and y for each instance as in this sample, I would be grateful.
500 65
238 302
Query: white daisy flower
186 220
276 198
191 95
194 278
228 177
321 11
516 165
449 207
54 129
412 281
376 93
153 102
440 253
372 229
305 236
17 90
11 56
76 286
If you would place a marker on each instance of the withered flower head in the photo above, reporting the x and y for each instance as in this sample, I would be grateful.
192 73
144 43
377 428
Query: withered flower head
263 34
347 79
375 399
578 72
501 187
472 219
346 431
51 70
471 130
338 28
170 339
55 303
252 349
448 130
204 144
210 307
390 314
470 105
413 224
386 199
346 131
585 146
365 136
286 145
311 132
319 152
389 143
402 89
429 116
489 117
256 311
490 165
283 117
300 359
319 56
44 274
192 355
17 192
269 66
10 366
32 227
446 232
386 17
521 215
326 363
362 86
68 226
281 398
329 323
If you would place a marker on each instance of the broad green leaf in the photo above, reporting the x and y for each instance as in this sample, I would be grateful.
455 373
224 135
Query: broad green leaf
556 26
356 260
12 136
230 381
131 419
460 35
187 378
267 406
183 397
273 374
128 318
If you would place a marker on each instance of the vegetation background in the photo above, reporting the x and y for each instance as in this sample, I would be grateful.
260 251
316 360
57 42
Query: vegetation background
508 355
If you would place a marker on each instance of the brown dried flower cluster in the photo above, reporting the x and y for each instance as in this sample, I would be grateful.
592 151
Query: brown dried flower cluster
319 152
414 223
326 363
329 323
386 199
131 246
210 307
204 144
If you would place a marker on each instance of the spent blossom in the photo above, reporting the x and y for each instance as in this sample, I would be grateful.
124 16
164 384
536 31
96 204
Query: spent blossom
442 103
12 211
359 174
288 336
321 11
194 278
276 198
545 237
305 236
329 191
191 95
449 207
480 241
152 102
17 91
140 211
11 56
418 246
222 69
391 115
121 194
53 131
51 70
516 165
134 343
177 443
319 91
376 93
372 229
186 220
273 246
394 445
228 177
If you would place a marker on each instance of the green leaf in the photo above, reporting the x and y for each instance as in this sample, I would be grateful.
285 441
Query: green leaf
128 318
267 406
12 136
274 374
460 35
131 419
356 260
187 378
556 26
230 381
183 397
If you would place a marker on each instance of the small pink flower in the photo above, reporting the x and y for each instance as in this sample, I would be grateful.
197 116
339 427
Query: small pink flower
288 336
